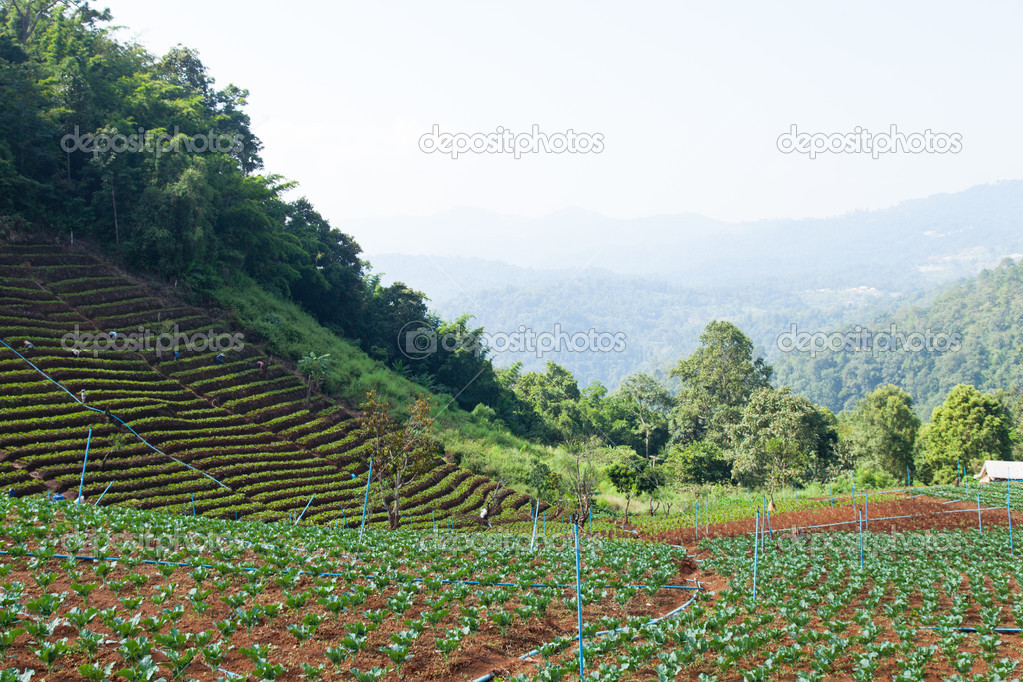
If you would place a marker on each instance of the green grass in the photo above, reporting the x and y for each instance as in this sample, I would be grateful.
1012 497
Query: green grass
291 333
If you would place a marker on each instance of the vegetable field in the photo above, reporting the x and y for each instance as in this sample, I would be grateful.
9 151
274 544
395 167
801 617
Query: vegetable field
156 595
229 423
114 593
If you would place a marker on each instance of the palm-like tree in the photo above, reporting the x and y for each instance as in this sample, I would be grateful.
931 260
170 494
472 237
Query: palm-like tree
313 366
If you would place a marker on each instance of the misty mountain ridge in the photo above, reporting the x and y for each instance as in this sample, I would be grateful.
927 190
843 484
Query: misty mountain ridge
820 274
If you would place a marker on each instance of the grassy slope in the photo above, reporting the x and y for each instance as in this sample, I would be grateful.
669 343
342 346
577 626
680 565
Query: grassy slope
290 332
250 428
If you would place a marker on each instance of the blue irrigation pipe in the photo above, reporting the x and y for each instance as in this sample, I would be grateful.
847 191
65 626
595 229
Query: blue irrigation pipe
1008 510
579 600
756 552
697 521
193 503
763 526
365 501
104 493
306 509
433 516
866 510
965 629
490 676
591 521
980 525
535 515
861 538
81 483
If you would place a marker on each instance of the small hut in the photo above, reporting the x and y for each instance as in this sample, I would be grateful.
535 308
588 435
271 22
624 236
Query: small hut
994 470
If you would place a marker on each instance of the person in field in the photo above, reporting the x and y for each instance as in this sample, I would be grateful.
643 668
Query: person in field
27 345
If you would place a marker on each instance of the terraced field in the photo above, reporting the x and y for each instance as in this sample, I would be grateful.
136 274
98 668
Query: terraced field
249 430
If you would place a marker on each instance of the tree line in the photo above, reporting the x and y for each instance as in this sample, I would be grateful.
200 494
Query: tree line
727 424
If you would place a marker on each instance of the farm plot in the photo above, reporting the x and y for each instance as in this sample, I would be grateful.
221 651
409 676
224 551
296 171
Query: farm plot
197 598
227 420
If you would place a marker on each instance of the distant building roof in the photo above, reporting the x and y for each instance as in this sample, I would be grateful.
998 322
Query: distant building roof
997 469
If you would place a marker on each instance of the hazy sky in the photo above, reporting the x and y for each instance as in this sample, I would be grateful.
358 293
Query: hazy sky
690 99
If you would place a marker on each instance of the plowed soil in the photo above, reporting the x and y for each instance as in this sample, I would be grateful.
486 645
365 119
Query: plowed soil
926 513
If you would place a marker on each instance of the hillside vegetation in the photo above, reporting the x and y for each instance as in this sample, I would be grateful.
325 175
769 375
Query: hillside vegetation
985 312
269 448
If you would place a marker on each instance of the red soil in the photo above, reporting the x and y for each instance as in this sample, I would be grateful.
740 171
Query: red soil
927 513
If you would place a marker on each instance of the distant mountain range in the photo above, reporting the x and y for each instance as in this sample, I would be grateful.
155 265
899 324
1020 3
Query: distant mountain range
661 279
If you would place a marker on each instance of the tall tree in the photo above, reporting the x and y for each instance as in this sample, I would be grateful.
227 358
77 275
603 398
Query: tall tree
401 452
782 438
649 402
554 397
314 367
882 430
717 381
967 429
589 456
625 472
696 464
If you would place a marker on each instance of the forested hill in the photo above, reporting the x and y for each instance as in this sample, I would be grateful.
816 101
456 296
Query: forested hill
149 159
986 311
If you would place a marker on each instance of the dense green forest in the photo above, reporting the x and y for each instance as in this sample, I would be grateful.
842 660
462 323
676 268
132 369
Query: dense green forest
985 312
